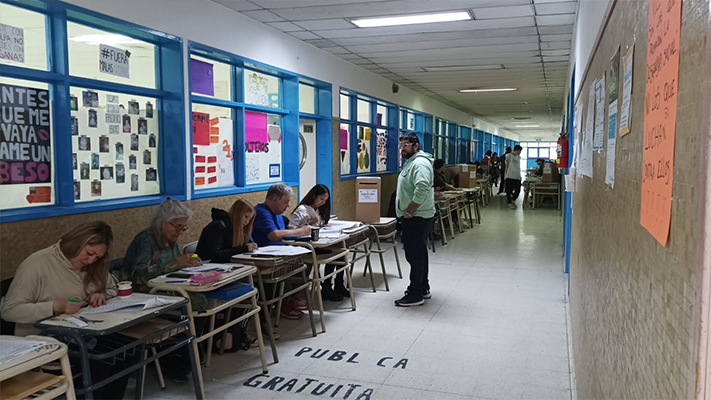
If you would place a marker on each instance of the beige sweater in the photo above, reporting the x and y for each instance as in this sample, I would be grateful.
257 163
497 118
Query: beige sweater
43 277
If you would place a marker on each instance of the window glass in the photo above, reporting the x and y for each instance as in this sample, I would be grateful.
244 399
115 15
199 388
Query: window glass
532 152
210 78
307 99
410 121
261 89
363 111
440 146
345 106
381 149
543 153
23 39
345 148
26 160
97 54
554 152
213 146
363 149
263 147
382 115
115 144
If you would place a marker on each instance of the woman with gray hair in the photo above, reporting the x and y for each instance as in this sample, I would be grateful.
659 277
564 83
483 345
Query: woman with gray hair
154 252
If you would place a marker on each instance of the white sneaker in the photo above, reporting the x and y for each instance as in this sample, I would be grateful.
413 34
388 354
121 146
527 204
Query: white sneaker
512 206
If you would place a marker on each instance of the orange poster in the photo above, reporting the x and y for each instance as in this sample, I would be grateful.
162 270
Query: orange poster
660 101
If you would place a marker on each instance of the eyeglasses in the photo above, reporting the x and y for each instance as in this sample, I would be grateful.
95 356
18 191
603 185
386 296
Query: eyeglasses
402 144
179 228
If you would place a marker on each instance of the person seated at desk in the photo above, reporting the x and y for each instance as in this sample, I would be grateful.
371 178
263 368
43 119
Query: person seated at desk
76 267
154 252
540 162
440 180
315 210
228 234
270 228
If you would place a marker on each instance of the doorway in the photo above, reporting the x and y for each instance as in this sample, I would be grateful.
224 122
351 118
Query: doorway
307 156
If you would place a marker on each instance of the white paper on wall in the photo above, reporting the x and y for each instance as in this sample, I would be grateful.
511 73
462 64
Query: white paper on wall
114 61
625 113
586 154
599 136
252 167
225 154
611 145
12 43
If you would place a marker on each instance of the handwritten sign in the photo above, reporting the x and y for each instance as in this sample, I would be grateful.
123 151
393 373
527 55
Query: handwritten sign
201 129
12 43
114 61
626 113
25 139
257 90
599 132
660 101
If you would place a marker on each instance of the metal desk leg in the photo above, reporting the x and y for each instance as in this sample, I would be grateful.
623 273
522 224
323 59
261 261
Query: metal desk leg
268 322
140 378
317 289
309 305
350 287
208 351
197 374
258 328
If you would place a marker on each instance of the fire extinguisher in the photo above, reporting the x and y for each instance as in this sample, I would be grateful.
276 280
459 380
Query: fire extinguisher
562 150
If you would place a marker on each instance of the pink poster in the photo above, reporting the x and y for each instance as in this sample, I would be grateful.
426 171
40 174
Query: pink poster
344 139
255 127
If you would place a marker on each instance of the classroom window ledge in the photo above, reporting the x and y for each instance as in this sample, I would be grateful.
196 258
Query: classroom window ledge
353 176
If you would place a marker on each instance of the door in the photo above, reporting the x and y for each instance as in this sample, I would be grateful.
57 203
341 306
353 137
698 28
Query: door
307 152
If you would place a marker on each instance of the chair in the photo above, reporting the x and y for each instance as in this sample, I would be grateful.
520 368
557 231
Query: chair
359 245
190 248
6 328
384 233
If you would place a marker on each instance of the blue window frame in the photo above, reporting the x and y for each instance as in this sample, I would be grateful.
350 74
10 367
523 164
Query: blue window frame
464 144
419 123
368 140
59 76
258 106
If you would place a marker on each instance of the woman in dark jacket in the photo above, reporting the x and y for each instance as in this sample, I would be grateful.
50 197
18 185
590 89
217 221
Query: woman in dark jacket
228 233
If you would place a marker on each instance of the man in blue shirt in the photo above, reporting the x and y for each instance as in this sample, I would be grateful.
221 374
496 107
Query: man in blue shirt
269 225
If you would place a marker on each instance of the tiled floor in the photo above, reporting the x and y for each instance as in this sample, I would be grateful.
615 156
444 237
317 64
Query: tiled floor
495 328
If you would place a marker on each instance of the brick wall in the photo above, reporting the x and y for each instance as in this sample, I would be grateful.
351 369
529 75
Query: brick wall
634 302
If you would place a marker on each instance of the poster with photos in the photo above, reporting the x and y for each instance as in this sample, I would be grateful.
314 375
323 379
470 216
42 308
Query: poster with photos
112 134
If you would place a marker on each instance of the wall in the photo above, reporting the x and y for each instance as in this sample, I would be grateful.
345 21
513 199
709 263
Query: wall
20 239
212 24
589 20
634 303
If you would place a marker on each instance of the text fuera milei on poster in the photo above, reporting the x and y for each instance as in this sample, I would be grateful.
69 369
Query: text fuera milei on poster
25 148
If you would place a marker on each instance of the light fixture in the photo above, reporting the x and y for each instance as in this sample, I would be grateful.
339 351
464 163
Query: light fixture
464 68
107 39
411 19
528 126
487 90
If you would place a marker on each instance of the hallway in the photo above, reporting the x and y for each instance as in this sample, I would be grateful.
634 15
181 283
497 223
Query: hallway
494 328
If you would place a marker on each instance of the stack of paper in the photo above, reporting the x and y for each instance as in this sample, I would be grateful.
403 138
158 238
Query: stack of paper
210 267
281 251
12 349
116 304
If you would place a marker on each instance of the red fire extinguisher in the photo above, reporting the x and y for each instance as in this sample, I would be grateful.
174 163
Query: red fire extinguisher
562 150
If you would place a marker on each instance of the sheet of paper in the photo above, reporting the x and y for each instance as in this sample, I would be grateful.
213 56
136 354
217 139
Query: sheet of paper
626 112
114 61
570 180
586 154
117 304
599 135
660 111
282 251
12 349
367 195
12 43
611 145
210 267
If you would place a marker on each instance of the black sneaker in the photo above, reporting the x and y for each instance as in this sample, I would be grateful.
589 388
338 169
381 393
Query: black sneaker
329 294
410 300
425 295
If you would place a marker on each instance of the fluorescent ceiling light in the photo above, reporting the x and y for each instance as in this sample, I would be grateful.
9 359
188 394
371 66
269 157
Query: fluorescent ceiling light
411 19
107 39
464 68
487 90
528 126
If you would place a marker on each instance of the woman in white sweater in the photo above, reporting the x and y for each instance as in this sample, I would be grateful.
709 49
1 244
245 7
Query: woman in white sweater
315 210
76 267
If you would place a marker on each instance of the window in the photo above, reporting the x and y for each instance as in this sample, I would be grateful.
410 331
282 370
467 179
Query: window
307 99
369 143
221 160
105 114
114 145
26 43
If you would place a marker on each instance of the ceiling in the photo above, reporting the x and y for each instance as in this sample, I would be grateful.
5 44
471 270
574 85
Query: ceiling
524 44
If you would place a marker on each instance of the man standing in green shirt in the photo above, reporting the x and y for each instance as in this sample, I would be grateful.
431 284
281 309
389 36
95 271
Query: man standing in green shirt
415 208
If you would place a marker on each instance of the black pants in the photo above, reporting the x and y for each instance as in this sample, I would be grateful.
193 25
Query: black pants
513 189
339 276
502 185
414 238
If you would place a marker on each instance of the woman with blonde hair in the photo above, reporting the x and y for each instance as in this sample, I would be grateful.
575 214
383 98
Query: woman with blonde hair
228 234
76 267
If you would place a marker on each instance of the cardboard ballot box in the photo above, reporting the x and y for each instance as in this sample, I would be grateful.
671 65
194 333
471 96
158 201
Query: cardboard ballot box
467 176
550 173
367 199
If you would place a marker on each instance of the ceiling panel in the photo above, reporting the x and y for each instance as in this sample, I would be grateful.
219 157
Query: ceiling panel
384 8
519 43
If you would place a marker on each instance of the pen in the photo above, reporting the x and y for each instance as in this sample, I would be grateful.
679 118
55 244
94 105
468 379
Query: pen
183 281
73 300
